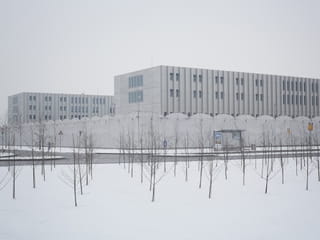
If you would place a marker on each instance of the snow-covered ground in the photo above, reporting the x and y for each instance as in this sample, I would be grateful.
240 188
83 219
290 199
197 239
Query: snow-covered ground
117 206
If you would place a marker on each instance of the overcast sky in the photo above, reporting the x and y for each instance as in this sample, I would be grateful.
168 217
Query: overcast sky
78 46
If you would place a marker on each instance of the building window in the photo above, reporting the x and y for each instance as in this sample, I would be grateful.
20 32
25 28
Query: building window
49 108
292 86
171 76
301 100
312 87
171 92
76 109
257 97
217 95
65 108
284 85
76 100
60 108
317 100
200 94
288 99
30 98
222 95
288 86
194 93
297 99
30 107
221 80
30 117
317 87
34 117
292 99
177 93
284 99
46 98
61 98
217 79
194 77
242 81
237 81
261 83
257 82
242 96
46 117
305 86
200 78
261 97
297 86
65 99
34 107
312 100
61 117
237 96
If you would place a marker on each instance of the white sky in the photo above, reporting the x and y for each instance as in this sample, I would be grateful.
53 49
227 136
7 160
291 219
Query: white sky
77 46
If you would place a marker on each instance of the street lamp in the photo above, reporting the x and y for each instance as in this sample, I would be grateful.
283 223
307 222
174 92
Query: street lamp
60 136
2 132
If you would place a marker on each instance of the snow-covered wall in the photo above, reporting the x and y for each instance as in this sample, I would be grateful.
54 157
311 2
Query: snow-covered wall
176 129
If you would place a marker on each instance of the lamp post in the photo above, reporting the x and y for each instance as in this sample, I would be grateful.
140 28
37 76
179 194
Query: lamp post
2 132
60 136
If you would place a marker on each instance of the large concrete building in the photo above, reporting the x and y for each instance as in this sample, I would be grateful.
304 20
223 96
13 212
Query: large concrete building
35 107
167 89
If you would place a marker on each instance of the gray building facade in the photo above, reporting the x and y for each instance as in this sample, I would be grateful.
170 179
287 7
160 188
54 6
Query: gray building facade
37 107
169 89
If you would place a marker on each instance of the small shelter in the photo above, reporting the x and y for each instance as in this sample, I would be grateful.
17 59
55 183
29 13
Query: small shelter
228 139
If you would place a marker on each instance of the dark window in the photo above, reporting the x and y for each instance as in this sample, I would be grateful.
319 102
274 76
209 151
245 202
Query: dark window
257 97
301 100
288 99
200 94
292 86
177 76
242 96
237 81
237 96
221 80
297 99
171 76
200 78
61 98
217 95
261 97
30 98
297 86
284 99
257 82
292 99
288 85
261 83
171 92
305 86
217 79
312 99
194 93
177 93
242 81
65 99
284 85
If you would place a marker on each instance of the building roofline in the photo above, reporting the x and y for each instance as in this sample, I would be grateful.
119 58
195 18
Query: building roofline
220 70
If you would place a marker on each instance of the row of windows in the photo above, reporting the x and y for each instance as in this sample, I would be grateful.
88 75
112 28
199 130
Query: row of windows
86 100
34 107
136 96
136 81
287 99
287 85
32 98
314 86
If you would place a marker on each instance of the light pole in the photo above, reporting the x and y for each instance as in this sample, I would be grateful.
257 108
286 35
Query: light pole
60 136
2 132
